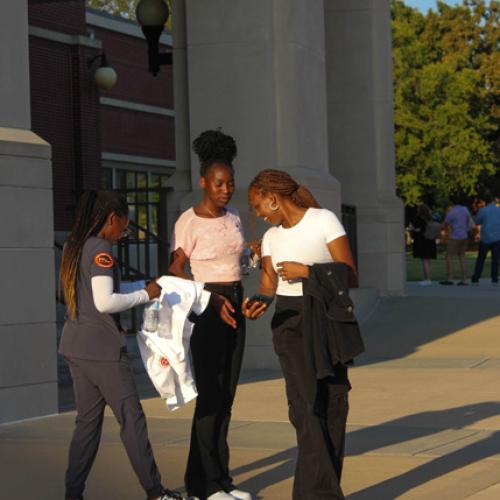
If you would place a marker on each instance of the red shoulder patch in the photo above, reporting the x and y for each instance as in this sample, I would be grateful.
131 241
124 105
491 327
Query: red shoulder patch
164 361
104 260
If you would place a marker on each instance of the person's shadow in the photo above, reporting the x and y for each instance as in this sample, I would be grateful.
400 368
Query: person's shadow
390 433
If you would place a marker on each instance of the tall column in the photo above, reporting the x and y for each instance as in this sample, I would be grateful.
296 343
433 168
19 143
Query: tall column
181 180
258 71
28 376
361 134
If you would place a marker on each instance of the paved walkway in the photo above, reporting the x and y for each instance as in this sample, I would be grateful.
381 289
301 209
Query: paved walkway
424 419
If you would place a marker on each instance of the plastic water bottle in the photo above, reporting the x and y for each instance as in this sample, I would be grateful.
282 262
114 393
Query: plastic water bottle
151 316
249 261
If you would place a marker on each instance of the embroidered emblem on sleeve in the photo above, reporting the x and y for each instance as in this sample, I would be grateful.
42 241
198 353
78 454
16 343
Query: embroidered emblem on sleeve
104 260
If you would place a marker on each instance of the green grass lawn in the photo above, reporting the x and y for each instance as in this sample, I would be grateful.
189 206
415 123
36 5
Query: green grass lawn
438 267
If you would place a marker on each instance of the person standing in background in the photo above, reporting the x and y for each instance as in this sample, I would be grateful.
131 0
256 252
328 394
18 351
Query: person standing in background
424 242
488 218
457 221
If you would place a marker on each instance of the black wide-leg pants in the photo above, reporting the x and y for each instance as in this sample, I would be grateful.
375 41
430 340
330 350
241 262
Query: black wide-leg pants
217 354
97 383
320 435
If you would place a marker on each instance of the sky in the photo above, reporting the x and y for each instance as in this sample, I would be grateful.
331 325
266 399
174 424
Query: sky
424 5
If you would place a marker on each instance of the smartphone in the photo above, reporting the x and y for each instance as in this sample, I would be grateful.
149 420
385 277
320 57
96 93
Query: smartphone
257 297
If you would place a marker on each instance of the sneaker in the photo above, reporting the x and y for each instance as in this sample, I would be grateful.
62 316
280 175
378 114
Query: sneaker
241 495
174 495
446 282
425 283
221 495
462 283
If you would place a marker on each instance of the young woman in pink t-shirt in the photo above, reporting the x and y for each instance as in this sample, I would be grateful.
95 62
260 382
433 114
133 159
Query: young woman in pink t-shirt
209 237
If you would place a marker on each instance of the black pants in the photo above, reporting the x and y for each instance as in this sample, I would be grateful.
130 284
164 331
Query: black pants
97 383
320 430
483 250
217 353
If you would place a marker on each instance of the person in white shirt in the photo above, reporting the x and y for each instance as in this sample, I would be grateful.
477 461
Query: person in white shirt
303 234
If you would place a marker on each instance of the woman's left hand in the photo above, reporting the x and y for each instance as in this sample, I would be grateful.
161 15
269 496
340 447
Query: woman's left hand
292 270
225 309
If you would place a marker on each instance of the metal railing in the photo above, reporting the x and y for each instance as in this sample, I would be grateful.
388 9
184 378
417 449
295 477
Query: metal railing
350 225
144 254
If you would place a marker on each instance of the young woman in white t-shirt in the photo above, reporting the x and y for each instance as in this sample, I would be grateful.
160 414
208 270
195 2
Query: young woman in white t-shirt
303 234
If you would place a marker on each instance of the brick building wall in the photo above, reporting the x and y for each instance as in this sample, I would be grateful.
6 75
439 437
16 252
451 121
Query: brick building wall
64 108
131 132
135 133
66 16
128 55
65 101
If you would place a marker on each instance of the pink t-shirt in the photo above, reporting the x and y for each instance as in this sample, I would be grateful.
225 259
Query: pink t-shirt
214 246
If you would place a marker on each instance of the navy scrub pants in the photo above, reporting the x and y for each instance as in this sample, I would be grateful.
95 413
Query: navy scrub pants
97 383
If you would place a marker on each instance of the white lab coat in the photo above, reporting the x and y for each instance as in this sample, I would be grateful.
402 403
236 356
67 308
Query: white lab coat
165 353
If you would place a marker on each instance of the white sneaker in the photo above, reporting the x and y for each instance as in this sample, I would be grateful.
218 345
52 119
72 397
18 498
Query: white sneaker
220 495
174 495
241 495
425 283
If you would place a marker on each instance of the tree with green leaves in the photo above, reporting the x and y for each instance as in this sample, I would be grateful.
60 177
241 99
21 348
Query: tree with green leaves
446 93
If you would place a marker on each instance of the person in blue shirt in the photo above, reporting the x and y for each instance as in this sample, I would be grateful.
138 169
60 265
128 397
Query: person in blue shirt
488 218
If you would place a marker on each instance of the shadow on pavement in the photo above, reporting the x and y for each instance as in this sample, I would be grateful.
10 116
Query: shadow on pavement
284 468
391 433
405 323
420 425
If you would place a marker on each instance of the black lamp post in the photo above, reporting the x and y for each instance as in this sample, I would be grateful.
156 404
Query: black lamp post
152 16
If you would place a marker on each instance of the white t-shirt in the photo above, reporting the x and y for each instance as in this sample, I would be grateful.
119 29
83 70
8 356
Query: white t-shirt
305 243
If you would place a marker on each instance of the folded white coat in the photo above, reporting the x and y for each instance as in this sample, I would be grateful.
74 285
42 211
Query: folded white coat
165 353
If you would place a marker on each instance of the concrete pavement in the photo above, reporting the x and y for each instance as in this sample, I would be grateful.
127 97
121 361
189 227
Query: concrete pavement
424 419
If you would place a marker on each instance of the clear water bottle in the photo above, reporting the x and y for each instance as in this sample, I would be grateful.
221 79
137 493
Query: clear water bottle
249 261
151 317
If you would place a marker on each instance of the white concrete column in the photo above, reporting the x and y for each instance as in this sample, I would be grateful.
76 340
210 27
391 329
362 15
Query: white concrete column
181 180
258 71
28 374
361 134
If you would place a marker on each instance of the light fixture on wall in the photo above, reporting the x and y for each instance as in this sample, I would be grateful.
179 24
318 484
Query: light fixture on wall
105 76
152 16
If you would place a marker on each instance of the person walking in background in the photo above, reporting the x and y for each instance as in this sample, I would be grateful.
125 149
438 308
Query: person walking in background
458 223
425 231
94 344
305 239
209 237
488 218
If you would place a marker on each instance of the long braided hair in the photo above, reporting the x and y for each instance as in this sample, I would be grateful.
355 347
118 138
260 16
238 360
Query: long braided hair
282 183
94 209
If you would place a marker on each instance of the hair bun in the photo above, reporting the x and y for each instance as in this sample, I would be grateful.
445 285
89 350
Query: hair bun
213 146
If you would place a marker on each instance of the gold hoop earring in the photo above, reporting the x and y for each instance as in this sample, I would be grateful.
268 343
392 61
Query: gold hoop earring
273 207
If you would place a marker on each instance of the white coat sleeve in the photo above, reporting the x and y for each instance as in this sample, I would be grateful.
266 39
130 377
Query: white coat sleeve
106 301
201 304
